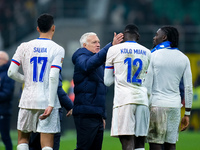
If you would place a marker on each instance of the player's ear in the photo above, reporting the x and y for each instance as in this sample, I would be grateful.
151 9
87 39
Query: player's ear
53 28
138 37
38 29
84 44
164 38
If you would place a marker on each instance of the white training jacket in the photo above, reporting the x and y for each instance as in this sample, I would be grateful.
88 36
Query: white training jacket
166 69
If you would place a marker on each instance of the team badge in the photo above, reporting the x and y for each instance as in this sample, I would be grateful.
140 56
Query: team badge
62 60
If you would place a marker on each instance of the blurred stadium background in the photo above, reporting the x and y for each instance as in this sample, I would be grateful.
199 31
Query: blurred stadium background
75 17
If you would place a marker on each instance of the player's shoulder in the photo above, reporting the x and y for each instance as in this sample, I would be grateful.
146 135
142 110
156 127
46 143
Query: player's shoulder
120 46
177 53
130 45
56 45
145 50
143 47
117 46
56 48
184 56
26 43
114 48
181 53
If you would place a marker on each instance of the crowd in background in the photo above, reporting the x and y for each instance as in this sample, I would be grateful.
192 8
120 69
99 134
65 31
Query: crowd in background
17 16
17 19
144 12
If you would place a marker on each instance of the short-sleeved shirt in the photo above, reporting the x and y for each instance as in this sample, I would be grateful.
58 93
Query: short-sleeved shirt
130 61
37 57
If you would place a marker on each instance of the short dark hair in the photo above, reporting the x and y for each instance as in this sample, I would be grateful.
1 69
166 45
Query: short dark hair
172 35
45 22
131 28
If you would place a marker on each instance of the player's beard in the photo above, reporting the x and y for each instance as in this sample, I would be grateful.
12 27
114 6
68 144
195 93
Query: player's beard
153 46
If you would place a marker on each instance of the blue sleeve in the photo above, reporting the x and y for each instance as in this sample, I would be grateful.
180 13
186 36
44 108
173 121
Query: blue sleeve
181 88
65 101
95 61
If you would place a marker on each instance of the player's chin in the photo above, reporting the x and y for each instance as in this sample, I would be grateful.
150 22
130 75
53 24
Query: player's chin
97 50
154 43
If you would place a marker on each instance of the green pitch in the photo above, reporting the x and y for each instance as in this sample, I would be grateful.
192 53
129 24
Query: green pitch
187 141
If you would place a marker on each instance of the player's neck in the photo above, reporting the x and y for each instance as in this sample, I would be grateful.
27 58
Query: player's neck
46 36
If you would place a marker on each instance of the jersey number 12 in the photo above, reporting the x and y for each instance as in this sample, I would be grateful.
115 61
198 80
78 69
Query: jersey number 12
136 62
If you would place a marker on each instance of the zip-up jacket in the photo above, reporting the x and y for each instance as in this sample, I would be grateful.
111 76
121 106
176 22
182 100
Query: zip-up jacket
89 88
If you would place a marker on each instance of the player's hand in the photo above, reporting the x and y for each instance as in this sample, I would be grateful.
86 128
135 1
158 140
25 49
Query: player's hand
46 113
185 123
69 113
104 123
118 38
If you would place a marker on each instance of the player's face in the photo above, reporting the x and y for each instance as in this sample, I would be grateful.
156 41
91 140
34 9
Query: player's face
93 44
159 37
3 60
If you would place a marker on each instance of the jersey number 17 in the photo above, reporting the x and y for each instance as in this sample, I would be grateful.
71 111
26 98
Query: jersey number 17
38 61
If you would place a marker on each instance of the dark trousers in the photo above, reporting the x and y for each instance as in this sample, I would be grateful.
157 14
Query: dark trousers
5 131
34 142
89 132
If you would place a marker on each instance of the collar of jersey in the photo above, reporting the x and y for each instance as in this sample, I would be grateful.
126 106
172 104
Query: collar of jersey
43 39
130 42
163 45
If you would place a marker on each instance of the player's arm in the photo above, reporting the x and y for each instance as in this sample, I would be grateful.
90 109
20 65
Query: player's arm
109 67
88 63
92 62
148 82
108 75
53 85
56 66
13 72
187 79
65 101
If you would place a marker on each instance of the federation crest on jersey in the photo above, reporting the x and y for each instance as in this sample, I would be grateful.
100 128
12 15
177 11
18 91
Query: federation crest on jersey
62 60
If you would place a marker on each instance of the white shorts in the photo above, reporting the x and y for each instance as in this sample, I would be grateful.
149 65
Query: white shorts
130 119
164 125
142 120
28 121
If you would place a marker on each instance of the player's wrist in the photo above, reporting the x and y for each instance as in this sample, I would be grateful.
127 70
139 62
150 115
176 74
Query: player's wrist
187 113
51 105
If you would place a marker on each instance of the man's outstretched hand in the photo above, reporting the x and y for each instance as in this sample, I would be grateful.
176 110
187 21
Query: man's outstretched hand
118 38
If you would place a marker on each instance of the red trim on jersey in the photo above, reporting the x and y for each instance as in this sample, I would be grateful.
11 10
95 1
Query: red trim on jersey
109 67
16 62
54 66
